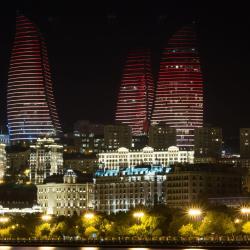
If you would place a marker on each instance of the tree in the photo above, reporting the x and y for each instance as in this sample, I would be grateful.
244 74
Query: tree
91 232
5 232
246 227
188 230
217 223
59 230
43 231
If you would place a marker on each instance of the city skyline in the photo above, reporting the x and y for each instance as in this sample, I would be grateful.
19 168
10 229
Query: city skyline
222 65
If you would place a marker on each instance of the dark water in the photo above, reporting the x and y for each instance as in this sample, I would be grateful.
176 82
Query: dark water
107 248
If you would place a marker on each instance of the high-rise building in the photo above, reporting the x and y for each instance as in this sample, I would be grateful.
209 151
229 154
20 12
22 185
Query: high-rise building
2 161
31 109
179 93
135 100
46 159
116 136
161 136
207 144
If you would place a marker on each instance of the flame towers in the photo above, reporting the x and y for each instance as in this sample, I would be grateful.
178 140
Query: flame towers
135 100
31 109
179 93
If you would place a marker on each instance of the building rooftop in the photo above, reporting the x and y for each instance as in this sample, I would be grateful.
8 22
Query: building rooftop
136 170
79 156
206 167
81 177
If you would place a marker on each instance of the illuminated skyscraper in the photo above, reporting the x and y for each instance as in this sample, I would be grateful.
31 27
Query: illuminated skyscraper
31 109
179 93
135 100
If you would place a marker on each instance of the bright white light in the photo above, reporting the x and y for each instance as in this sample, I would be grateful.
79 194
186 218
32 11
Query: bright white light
89 216
194 212
46 217
138 214
4 219
245 210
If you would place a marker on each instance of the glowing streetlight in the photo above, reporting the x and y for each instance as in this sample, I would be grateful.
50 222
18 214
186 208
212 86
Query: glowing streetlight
4 219
46 217
138 215
237 221
245 210
194 212
89 216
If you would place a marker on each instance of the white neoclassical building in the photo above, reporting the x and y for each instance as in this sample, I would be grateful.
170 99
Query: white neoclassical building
66 194
123 157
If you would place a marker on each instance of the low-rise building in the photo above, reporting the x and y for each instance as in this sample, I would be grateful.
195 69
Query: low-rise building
89 136
17 169
66 194
3 161
161 136
121 190
124 157
117 135
85 163
192 183
207 144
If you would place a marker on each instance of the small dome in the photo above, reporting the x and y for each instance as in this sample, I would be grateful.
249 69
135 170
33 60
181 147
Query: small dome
122 150
70 172
173 148
147 149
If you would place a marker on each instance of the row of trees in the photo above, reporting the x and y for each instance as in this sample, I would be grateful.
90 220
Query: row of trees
159 221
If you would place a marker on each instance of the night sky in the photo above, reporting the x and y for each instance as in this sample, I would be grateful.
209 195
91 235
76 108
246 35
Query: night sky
87 46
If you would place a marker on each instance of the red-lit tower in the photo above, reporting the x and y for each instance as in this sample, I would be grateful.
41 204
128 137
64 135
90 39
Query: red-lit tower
135 100
31 109
179 92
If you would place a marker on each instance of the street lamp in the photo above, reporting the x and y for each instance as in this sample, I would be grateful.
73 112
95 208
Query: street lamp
138 215
46 217
245 211
89 216
194 212
237 221
4 219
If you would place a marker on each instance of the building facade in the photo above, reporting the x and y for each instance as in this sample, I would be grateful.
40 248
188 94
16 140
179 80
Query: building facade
17 164
135 99
89 137
3 162
187 185
116 136
85 163
68 194
161 136
124 157
179 92
120 190
207 144
46 158
245 143
31 109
